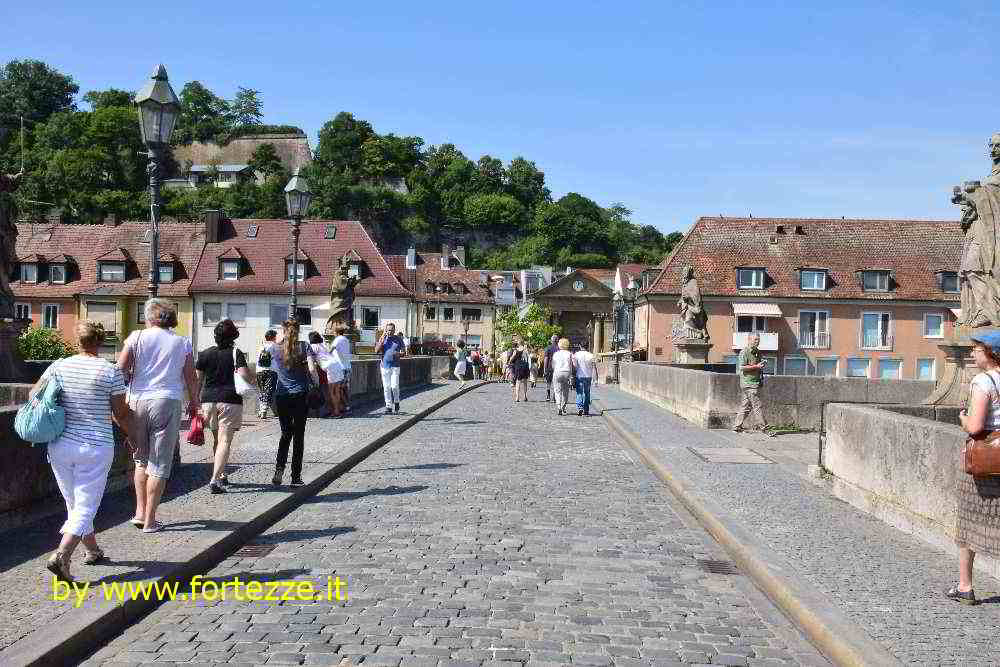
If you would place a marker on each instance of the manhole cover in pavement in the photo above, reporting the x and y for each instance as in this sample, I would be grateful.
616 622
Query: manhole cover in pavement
728 455
718 566
253 550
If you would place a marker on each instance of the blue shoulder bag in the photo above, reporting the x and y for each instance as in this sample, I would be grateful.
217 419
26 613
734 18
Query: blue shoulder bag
42 419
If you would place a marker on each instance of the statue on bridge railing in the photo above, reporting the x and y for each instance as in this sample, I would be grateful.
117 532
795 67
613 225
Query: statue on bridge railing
8 241
692 310
979 272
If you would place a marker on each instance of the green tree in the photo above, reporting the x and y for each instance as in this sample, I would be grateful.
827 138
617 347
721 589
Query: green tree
527 184
265 160
494 210
530 325
246 108
490 176
340 144
204 115
32 89
112 97
43 345
390 156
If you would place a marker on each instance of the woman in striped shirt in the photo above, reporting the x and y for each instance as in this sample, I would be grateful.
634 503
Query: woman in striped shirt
92 391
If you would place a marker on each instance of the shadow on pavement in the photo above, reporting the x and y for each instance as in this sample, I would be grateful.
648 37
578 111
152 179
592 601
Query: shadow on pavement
302 535
343 496
419 466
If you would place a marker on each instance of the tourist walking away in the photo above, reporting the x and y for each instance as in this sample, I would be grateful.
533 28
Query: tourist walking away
461 362
221 403
342 351
329 372
265 376
91 391
392 348
158 365
293 360
476 360
533 369
585 365
750 367
562 373
519 371
547 367
978 524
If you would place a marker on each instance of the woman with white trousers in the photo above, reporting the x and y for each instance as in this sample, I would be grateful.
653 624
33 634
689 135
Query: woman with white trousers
92 393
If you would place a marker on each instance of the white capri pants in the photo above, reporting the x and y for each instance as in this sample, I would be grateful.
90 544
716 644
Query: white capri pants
81 471
390 385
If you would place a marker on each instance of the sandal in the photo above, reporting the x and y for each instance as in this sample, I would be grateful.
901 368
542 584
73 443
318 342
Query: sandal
964 597
154 527
58 565
137 522
96 558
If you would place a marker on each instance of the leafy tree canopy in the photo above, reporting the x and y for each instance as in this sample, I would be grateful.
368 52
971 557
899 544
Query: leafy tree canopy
112 97
32 89
530 325
43 345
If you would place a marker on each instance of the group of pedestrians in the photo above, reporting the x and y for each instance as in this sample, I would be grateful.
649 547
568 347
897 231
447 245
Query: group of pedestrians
142 394
560 368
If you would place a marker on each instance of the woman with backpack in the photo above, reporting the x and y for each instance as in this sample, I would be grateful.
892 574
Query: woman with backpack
221 403
292 361
519 371
265 376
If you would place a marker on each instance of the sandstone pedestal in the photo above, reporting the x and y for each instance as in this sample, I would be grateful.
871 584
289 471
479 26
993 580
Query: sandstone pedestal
692 351
12 368
959 369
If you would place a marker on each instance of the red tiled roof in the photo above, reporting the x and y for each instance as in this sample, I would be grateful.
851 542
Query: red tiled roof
263 271
636 270
598 274
913 250
81 246
429 270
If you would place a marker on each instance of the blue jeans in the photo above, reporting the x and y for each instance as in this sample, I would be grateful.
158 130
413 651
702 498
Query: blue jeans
583 394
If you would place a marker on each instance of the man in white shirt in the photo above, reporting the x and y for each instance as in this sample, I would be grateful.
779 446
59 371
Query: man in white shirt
586 369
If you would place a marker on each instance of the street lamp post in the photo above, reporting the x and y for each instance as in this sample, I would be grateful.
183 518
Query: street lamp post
297 198
617 309
437 290
632 291
158 111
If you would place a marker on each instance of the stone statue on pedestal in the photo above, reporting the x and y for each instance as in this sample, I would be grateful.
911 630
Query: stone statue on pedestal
8 241
978 277
979 272
692 311
342 299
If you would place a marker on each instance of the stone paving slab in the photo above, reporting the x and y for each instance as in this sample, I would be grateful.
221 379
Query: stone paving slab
886 581
487 534
189 512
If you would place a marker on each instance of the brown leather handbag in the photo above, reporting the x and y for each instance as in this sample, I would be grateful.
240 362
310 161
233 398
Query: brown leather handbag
982 454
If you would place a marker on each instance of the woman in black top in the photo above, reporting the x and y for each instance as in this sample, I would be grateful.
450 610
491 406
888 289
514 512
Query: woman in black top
221 406
520 371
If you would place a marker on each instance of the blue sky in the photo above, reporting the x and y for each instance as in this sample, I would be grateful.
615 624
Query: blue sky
675 109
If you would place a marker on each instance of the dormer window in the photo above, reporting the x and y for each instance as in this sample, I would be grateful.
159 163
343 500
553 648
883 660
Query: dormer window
300 268
750 278
166 272
875 281
948 281
428 287
229 269
29 272
354 270
812 279
111 272
445 263
330 231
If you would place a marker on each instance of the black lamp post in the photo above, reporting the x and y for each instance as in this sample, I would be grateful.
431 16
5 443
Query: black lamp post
158 111
629 294
297 198
616 310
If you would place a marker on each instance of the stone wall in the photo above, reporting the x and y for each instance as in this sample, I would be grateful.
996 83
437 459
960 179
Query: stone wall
26 478
712 399
900 468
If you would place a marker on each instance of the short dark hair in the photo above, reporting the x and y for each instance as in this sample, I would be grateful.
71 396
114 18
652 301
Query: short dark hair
270 334
225 333
315 338
460 344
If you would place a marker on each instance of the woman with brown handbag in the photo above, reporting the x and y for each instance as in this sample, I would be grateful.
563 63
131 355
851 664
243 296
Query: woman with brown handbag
978 525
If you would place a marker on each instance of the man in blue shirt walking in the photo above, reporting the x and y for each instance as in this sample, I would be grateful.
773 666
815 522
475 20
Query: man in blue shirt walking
392 347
